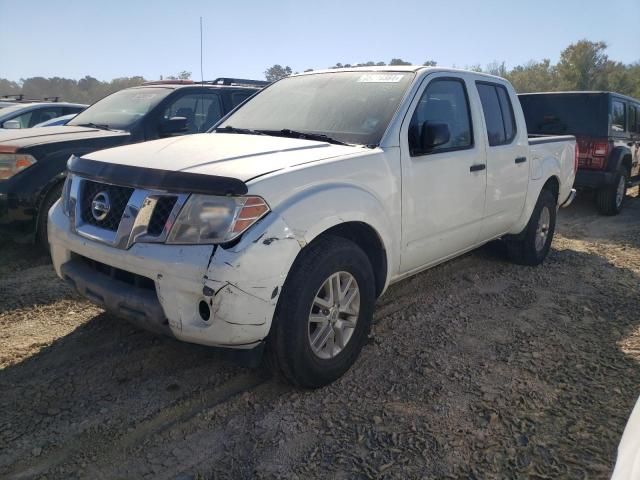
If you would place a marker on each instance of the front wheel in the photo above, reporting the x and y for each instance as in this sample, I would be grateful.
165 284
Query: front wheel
532 246
324 313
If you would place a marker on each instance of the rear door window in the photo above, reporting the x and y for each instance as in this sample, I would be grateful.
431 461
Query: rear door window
617 116
498 113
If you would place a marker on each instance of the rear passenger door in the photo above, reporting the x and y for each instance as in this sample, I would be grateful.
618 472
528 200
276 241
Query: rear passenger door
443 189
507 161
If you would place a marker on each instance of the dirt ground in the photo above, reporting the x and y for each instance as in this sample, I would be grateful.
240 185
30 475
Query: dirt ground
476 369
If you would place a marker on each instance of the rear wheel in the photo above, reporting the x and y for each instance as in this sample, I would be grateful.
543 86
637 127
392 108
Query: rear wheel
43 215
324 313
611 199
532 246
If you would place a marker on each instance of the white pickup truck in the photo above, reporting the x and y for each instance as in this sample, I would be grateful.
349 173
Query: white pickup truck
283 225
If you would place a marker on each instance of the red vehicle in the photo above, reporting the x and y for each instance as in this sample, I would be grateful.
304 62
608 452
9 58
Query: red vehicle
607 129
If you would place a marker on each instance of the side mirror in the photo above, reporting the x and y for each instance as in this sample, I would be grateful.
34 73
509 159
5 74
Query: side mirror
433 135
13 124
172 126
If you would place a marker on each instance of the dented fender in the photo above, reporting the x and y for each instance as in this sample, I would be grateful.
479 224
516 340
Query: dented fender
245 281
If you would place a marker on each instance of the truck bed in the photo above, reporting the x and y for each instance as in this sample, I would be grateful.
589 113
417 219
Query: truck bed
535 139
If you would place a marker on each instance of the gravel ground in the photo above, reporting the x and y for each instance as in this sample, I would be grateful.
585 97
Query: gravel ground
476 369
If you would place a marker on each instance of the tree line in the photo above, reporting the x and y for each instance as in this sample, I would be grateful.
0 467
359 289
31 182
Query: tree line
583 65
86 90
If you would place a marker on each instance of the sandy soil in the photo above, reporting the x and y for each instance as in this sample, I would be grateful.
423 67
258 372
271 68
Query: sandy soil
476 369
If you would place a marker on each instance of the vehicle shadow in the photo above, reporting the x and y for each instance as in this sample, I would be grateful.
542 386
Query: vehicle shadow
582 221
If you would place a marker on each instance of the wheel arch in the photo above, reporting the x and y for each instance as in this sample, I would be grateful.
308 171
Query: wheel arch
44 193
369 240
553 185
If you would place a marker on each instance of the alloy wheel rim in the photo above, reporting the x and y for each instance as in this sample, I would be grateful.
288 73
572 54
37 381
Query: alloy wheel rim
542 230
333 315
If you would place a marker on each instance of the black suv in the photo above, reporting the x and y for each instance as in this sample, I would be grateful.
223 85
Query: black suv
33 162
607 129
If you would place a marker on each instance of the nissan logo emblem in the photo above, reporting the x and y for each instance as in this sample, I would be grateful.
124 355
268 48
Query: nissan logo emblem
100 206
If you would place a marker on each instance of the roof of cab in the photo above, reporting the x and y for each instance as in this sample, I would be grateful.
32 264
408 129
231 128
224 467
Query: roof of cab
399 68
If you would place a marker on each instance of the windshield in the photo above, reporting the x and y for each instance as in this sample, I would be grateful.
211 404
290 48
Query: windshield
122 109
351 107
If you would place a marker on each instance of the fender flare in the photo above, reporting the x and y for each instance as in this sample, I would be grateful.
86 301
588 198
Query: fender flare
617 157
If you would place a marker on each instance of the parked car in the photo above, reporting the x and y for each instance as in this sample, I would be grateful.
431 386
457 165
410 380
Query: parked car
32 162
63 120
27 115
305 205
607 128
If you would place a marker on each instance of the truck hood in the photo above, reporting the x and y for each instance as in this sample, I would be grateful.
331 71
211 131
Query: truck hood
244 157
27 137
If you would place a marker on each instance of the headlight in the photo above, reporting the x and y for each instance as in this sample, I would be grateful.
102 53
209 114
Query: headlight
12 163
211 219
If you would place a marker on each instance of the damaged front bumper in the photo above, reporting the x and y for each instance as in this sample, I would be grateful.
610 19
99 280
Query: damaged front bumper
197 293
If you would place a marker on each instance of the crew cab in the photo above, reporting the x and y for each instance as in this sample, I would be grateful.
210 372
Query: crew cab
281 227
607 129
33 161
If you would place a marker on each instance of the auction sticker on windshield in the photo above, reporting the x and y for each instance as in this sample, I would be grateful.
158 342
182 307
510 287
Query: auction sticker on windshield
380 78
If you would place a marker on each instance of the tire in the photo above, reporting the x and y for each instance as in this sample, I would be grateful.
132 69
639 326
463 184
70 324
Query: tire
529 248
43 215
296 347
611 199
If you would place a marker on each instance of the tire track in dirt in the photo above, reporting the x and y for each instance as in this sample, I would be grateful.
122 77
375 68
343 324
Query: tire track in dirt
157 424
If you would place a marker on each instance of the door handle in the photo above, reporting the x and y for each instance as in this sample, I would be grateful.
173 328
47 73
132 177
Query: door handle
521 159
477 168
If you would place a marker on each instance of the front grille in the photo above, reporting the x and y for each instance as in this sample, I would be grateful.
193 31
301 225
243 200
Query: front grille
160 215
118 198
129 278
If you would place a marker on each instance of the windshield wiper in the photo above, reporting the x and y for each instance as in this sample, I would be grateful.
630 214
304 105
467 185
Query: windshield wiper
230 129
321 137
99 126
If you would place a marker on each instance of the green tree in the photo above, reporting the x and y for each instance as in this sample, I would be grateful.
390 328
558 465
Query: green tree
277 72
583 66
534 77
430 63
398 61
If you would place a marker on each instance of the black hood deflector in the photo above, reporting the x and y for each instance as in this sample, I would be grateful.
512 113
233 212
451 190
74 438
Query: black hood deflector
155 179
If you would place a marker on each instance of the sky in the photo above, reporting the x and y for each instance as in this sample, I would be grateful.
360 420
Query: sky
242 38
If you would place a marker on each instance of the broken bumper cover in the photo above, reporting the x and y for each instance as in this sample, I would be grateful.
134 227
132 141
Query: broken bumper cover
138 305
240 285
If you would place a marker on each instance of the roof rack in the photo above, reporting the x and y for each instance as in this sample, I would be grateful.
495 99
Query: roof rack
19 98
16 97
169 82
238 82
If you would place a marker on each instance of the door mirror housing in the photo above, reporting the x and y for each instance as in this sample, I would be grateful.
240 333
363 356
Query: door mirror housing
12 124
433 135
173 126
